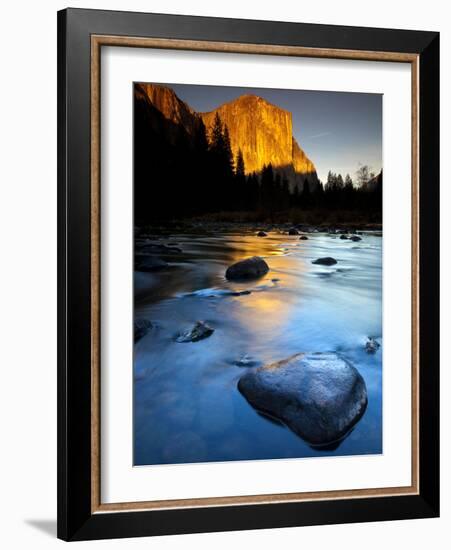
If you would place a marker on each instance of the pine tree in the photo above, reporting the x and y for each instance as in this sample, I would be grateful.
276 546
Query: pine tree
239 165
200 168
348 181
216 135
286 195
227 153
330 183
306 195
268 189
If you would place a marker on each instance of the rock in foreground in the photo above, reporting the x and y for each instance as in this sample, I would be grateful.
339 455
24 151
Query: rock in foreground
251 268
262 234
355 238
325 261
319 396
198 332
303 238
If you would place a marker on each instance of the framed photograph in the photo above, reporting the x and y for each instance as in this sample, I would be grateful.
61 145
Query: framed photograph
248 274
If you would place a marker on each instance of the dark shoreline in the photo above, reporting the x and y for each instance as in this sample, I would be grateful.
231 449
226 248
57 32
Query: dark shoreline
203 226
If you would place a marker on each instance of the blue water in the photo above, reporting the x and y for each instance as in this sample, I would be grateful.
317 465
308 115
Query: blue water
186 404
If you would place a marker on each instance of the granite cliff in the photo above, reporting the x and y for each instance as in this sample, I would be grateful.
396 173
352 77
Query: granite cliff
262 131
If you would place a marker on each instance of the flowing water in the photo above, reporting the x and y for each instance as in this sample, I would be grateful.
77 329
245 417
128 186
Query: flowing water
187 407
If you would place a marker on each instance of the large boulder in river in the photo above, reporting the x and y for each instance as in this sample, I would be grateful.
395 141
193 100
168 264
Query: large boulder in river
250 268
320 396
262 234
325 261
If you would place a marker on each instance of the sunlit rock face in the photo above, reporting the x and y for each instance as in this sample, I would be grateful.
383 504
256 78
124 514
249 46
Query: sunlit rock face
166 101
263 132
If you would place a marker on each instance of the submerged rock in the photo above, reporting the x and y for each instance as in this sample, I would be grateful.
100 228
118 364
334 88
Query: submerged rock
149 263
303 238
214 293
241 293
320 396
200 331
246 361
355 238
325 261
372 345
262 234
251 268
140 328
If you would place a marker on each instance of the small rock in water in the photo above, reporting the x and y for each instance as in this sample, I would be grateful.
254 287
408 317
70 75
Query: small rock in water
198 332
303 238
251 268
325 261
240 293
140 328
355 238
246 361
293 231
149 263
372 345
320 396
262 234
343 237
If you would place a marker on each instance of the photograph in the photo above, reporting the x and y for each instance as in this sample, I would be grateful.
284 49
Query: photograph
248 320
257 274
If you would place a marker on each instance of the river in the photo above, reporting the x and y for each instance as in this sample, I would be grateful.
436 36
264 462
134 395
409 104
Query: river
187 407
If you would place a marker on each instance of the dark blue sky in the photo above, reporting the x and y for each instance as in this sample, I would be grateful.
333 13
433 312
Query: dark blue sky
337 130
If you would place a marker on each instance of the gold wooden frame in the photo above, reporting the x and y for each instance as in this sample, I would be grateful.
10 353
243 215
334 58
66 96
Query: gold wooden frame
97 41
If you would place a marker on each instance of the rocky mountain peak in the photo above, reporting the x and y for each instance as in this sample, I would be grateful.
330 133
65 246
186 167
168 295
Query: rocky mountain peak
263 131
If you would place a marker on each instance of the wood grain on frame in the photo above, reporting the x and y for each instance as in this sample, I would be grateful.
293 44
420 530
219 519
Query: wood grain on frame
97 41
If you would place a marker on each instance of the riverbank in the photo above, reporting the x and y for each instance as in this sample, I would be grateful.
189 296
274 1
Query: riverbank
205 225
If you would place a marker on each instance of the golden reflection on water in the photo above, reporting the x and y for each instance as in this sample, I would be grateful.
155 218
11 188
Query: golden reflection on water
241 248
271 307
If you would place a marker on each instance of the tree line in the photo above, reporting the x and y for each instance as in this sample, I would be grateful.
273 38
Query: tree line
180 175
